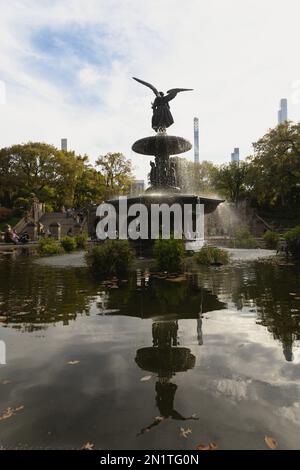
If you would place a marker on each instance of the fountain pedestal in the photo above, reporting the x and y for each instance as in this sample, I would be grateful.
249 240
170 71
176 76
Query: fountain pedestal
163 171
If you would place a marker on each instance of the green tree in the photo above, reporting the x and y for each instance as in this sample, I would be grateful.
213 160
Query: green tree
230 180
274 173
90 187
116 170
40 170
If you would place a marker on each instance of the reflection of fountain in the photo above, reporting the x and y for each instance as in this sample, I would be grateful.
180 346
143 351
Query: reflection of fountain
166 302
158 298
165 359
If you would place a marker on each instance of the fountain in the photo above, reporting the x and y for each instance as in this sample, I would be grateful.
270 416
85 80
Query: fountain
162 177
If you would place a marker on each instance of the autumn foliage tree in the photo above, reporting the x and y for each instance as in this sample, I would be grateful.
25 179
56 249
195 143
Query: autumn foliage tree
58 178
116 171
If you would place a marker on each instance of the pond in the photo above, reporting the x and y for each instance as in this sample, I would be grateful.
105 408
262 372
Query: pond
151 363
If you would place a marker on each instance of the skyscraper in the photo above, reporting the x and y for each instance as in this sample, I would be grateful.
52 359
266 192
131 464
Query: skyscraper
196 140
64 145
235 156
282 113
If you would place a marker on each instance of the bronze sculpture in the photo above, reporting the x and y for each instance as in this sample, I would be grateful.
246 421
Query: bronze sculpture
162 117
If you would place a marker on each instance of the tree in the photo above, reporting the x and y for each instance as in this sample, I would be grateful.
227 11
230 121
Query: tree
90 187
274 174
116 170
40 170
231 179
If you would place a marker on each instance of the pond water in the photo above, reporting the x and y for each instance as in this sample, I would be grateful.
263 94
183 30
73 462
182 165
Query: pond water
126 365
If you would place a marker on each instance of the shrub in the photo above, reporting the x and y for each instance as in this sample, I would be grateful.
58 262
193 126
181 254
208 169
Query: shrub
68 243
292 238
271 239
212 255
48 207
243 239
169 254
49 246
81 241
112 258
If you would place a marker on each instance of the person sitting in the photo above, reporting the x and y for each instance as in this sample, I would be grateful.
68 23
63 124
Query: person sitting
15 236
10 236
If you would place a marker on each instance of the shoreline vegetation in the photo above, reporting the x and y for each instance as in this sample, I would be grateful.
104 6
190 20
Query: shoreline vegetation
78 259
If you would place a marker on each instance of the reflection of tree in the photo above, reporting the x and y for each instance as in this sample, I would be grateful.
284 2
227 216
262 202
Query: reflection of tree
277 310
33 296
266 287
165 359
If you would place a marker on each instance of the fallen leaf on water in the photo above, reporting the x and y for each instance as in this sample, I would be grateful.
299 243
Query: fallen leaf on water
88 446
19 408
9 412
72 363
159 418
271 442
210 446
185 432
6 414
147 377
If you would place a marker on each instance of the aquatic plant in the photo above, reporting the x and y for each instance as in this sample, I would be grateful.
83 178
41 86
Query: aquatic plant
49 246
271 239
112 258
292 238
169 255
68 243
81 241
212 255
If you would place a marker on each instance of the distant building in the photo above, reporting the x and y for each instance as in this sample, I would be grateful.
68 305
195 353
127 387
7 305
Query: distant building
64 145
283 111
235 156
196 140
137 187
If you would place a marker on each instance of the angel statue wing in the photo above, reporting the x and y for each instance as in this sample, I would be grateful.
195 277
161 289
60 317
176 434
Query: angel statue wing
173 92
148 85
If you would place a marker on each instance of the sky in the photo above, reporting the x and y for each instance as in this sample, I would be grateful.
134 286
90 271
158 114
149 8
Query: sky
66 68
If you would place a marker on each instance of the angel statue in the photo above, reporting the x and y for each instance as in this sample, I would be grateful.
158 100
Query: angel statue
162 117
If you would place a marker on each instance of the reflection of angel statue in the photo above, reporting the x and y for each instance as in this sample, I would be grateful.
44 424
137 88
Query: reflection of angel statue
162 117
165 394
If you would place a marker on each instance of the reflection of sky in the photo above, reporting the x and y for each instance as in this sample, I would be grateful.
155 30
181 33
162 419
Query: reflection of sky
241 386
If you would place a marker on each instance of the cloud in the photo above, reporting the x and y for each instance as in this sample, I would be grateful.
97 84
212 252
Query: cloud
67 66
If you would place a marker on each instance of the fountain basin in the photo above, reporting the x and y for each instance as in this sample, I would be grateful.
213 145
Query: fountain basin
161 197
161 144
